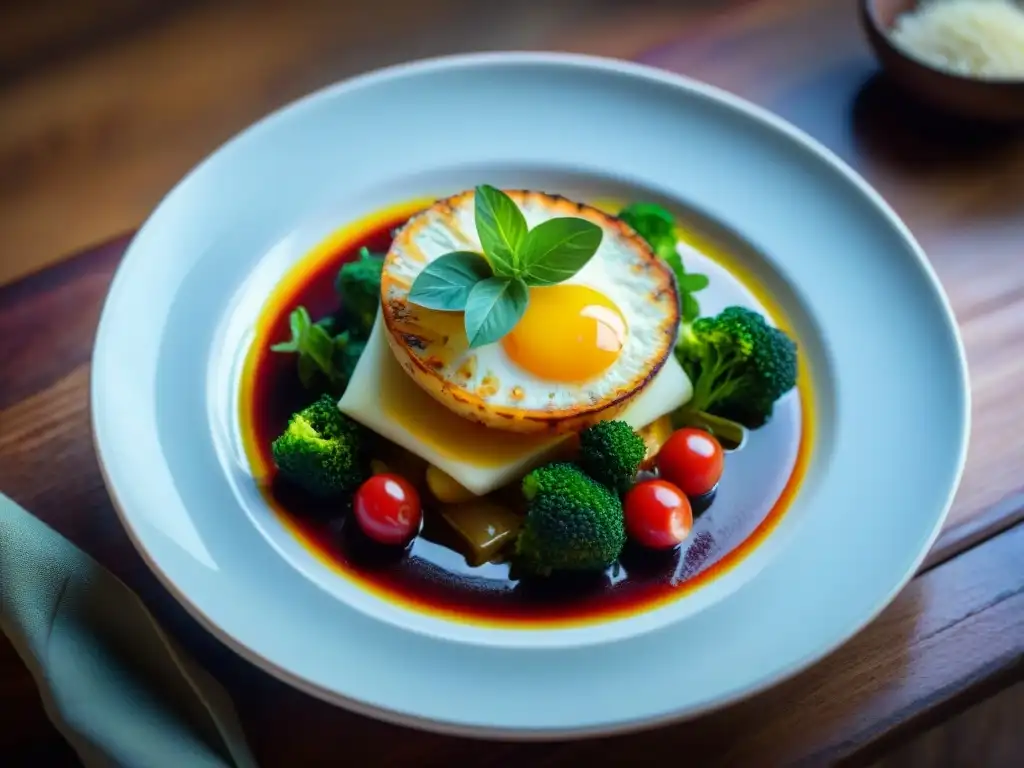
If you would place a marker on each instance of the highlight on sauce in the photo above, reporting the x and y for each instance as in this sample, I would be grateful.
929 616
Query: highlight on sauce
391 519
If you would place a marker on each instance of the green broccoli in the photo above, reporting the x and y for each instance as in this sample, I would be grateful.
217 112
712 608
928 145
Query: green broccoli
573 523
739 365
358 286
611 452
322 450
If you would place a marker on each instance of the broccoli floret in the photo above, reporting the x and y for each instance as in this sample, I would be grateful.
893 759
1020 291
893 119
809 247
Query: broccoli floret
573 523
358 286
739 365
321 450
611 452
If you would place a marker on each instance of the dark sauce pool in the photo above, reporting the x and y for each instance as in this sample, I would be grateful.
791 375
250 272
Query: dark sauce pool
432 574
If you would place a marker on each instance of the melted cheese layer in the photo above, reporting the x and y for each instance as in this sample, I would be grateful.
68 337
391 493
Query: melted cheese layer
385 399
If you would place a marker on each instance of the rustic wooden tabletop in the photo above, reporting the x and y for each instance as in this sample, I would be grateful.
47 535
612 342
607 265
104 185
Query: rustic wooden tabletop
954 636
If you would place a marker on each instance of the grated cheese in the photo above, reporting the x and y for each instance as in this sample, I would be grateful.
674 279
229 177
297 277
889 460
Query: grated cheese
977 38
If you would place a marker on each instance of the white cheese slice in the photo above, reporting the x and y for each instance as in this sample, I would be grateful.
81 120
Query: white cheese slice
385 399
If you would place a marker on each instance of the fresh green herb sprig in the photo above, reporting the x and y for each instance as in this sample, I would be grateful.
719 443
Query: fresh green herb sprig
325 359
658 227
492 288
328 350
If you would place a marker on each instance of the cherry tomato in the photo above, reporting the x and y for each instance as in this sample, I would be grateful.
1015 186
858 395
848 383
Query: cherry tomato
658 514
387 508
692 460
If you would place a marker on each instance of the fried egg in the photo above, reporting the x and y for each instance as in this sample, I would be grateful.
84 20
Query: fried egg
584 349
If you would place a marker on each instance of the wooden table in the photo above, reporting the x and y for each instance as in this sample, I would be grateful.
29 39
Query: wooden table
952 637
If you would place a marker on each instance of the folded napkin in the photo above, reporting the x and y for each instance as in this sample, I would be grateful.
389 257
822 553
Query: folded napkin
121 691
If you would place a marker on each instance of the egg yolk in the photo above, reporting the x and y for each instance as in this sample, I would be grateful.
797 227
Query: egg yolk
569 333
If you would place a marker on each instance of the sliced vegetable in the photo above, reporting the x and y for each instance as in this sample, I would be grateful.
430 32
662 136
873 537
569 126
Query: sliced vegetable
485 525
692 460
654 436
387 508
658 514
404 463
446 488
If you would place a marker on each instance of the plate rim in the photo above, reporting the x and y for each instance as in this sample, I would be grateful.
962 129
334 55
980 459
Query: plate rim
608 65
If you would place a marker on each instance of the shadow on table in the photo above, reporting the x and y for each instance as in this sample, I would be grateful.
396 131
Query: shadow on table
918 140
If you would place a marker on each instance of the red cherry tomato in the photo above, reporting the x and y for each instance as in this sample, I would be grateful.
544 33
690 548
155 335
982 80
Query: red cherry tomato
387 508
692 460
658 514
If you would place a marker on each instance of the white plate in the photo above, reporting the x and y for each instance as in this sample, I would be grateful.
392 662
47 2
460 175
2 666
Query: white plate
890 382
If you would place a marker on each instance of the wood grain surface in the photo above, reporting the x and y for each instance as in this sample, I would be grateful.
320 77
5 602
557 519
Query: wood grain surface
954 635
105 104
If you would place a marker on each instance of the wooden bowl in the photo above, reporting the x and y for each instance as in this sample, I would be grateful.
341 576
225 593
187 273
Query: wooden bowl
967 97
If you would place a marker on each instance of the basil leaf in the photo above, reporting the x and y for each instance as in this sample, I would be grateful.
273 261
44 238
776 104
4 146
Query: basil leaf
285 346
692 282
308 371
316 346
688 283
666 249
501 228
329 323
299 322
675 261
690 309
341 342
445 283
658 227
320 346
652 222
494 307
649 215
559 248
655 225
